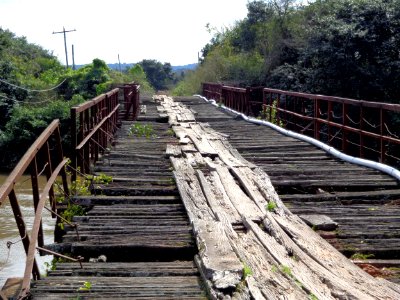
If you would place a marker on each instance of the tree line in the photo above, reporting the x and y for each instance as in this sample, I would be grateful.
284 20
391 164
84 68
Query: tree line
36 89
348 48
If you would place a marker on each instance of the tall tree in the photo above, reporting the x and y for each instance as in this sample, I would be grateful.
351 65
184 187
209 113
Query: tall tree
159 75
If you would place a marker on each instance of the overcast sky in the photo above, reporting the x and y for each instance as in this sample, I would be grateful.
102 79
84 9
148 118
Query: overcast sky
171 31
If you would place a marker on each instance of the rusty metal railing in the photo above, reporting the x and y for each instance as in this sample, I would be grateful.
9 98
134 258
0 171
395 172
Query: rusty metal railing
359 128
246 100
44 156
131 100
93 124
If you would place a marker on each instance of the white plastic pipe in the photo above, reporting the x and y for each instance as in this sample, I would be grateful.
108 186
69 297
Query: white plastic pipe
329 149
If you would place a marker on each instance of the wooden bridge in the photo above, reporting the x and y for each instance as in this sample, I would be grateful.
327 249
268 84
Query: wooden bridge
205 204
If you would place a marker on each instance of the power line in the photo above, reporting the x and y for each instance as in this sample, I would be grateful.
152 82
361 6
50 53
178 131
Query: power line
65 42
31 90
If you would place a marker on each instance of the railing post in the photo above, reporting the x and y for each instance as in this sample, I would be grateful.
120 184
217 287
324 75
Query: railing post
22 230
60 159
74 159
382 132
49 171
247 100
362 153
344 123
277 113
330 112
316 117
36 196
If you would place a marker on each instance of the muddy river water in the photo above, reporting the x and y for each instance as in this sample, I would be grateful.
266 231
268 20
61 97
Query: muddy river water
12 261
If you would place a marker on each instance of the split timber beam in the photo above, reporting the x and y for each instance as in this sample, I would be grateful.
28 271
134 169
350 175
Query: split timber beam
250 245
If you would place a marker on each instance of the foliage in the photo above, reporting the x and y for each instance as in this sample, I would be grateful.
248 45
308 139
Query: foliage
271 206
312 297
71 211
25 112
159 75
286 270
246 271
139 76
142 130
100 178
346 48
27 65
361 256
27 122
88 81
86 286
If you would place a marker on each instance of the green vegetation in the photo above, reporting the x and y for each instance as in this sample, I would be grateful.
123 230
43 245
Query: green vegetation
86 286
35 89
312 297
344 48
71 211
246 271
286 270
271 206
159 75
101 178
361 256
142 130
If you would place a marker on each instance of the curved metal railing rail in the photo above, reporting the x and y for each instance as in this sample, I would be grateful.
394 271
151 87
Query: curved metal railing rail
46 155
360 128
94 122
93 125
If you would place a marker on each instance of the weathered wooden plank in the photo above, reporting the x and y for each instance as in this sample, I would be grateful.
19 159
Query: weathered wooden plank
243 204
314 246
216 197
190 191
202 144
218 260
173 150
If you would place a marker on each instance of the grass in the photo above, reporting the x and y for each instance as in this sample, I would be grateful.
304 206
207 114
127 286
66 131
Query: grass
246 271
286 270
271 206
142 130
361 256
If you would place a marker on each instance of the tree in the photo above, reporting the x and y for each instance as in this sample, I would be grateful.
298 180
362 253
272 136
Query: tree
159 75
353 49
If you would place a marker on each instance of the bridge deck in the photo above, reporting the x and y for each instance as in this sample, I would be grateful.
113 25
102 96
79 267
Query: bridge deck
363 202
139 223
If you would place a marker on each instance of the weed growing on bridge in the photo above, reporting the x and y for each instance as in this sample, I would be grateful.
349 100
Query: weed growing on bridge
246 271
71 211
86 286
170 132
142 130
271 206
270 114
100 178
361 256
286 270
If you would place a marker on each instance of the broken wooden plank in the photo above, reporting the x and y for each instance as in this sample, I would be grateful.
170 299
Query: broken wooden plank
216 197
173 150
218 260
243 204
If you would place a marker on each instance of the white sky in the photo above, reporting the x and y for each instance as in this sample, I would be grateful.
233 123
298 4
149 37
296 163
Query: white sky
166 30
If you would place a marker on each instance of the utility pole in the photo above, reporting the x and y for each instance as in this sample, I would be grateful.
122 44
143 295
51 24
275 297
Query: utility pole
119 63
73 57
65 42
